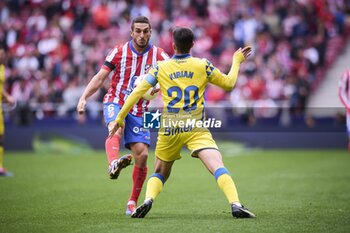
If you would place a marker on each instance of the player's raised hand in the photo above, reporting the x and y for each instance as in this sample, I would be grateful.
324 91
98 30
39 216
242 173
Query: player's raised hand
241 54
247 51
81 106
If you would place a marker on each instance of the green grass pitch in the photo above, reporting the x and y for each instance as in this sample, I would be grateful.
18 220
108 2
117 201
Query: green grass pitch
289 190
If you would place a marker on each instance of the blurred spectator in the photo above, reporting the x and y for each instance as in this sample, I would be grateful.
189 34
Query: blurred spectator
101 16
21 93
139 8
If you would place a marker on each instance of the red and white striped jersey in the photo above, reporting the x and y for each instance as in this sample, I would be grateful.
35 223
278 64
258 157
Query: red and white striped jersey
127 64
344 90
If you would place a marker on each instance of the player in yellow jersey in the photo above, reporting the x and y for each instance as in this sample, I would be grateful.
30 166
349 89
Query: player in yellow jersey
10 100
183 80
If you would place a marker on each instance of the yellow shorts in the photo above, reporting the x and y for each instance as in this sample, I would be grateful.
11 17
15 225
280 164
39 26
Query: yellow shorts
169 145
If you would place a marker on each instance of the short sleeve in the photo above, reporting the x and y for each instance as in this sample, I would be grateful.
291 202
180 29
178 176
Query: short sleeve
110 61
154 71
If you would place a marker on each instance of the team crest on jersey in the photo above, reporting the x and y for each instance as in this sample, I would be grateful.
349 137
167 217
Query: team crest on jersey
132 83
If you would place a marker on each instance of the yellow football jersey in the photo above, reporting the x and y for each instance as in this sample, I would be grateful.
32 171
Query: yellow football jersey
183 80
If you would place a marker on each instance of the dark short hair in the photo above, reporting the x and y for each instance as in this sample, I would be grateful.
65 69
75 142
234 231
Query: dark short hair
183 39
140 19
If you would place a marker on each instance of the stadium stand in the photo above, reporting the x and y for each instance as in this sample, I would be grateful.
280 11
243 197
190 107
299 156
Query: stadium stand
55 47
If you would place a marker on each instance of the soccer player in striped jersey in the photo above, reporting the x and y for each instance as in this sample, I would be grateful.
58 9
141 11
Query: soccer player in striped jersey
126 62
183 80
344 96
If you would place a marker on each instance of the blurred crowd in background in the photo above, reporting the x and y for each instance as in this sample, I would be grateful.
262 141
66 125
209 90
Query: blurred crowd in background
55 47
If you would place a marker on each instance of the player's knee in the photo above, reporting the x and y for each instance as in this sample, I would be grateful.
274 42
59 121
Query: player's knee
141 156
139 149
141 160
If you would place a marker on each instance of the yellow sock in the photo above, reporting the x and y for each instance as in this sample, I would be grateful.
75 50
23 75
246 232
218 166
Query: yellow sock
227 185
154 186
1 157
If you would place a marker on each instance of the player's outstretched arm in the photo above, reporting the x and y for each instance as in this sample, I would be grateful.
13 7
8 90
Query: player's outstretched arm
94 84
228 81
135 95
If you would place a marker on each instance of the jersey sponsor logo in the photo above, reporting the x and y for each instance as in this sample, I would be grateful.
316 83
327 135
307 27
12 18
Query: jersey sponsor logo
139 129
173 131
136 129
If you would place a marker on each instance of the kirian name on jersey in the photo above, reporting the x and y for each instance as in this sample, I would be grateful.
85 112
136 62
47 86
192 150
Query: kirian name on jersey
181 74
